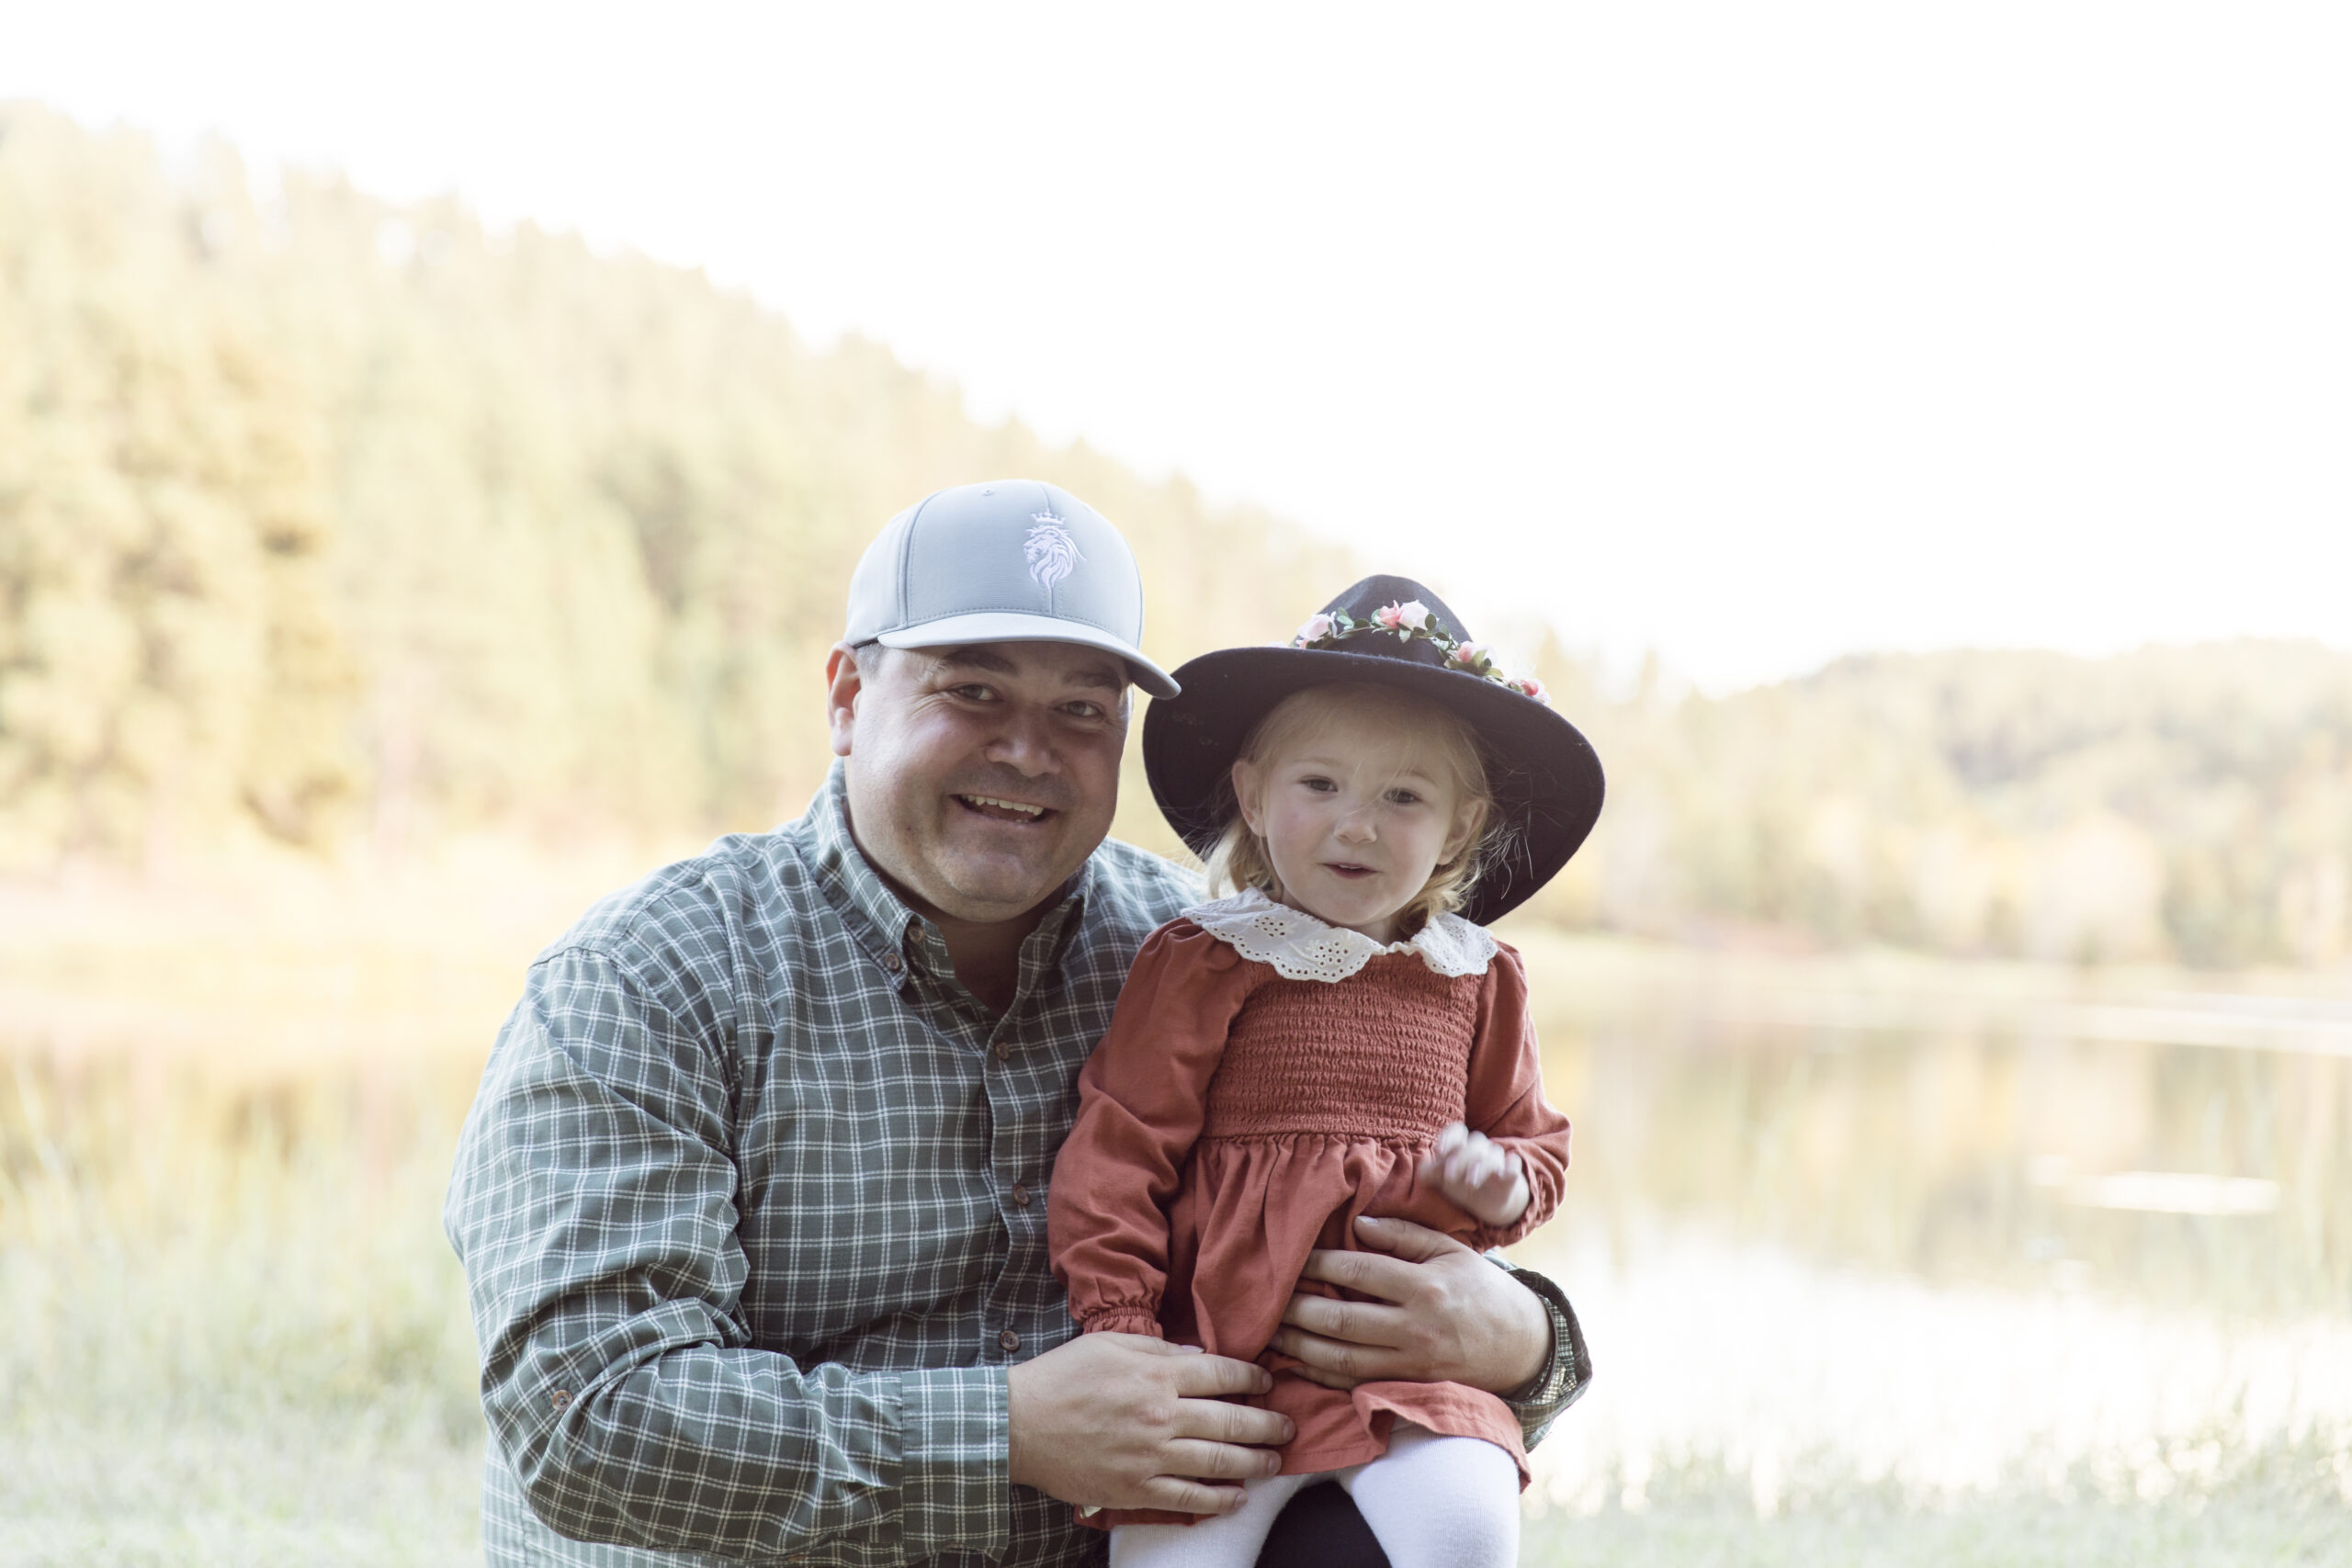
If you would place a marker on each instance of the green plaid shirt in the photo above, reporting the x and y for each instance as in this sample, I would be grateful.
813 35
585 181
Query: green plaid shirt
753 1208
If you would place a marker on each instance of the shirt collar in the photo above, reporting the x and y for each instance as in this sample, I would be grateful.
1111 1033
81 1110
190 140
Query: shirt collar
849 881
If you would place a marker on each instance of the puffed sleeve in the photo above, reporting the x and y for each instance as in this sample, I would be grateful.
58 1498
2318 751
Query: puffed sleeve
1506 1096
1140 1099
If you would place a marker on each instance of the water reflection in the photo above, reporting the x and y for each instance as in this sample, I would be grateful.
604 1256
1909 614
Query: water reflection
1789 1378
1830 1228
1993 1143
1956 1137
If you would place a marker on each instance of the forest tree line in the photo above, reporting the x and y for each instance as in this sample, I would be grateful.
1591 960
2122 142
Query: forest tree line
336 522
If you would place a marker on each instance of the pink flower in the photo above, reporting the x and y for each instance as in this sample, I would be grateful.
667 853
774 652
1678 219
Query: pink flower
1529 686
1315 628
1469 655
1412 616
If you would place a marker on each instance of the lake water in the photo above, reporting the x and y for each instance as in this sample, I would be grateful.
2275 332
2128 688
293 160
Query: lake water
1834 1225
1837 1224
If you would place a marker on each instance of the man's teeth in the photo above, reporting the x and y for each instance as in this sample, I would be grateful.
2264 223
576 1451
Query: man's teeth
1022 807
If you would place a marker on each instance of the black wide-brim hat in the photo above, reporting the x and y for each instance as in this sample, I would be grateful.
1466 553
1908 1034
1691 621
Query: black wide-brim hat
1545 777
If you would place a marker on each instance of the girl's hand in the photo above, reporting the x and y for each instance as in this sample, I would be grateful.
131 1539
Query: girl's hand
1477 1176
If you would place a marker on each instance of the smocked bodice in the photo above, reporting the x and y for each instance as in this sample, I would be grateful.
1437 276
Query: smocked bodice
1384 1061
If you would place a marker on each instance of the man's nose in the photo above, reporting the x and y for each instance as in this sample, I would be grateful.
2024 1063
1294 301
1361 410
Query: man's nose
1024 741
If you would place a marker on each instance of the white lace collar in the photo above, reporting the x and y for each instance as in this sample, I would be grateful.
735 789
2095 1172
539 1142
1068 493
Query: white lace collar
1301 947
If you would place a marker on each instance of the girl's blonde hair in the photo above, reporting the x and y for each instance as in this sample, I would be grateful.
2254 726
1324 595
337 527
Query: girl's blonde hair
1426 731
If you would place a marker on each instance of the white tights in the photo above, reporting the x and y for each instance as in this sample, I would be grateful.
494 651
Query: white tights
1433 1502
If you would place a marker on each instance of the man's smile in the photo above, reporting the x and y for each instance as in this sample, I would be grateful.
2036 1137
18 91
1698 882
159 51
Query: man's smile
999 809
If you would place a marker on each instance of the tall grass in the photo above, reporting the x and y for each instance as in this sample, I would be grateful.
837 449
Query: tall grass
232 1332
2280 1507
235 1334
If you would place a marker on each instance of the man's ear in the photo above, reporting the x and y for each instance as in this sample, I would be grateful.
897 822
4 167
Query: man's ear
844 680
1249 791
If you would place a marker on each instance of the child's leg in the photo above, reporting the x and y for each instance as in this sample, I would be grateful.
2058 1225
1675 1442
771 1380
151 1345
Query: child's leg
1229 1541
1440 1502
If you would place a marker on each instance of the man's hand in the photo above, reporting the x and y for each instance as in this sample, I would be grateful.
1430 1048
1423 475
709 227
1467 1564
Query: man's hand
1443 1315
1126 1421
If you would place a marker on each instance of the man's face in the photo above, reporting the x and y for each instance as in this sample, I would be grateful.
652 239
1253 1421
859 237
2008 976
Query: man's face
979 778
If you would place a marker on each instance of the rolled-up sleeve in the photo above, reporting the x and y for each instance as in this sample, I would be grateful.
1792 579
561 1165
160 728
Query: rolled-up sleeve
595 1207
1568 1371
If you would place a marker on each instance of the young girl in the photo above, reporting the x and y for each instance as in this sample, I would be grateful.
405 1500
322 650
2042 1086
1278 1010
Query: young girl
1330 1040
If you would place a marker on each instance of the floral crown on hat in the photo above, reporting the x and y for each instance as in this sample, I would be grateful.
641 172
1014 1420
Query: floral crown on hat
1410 621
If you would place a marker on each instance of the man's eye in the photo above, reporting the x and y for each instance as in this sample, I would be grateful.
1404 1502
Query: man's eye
974 694
1083 710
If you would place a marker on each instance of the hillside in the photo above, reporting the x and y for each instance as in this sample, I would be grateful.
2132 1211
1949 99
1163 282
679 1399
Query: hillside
325 523
2189 804
319 518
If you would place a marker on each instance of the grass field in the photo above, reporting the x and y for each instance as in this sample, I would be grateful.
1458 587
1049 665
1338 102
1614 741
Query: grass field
239 1337
2287 1515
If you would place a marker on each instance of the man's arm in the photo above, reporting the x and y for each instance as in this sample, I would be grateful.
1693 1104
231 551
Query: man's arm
1443 1313
594 1205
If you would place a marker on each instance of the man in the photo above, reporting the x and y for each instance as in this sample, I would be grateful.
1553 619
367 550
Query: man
752 1201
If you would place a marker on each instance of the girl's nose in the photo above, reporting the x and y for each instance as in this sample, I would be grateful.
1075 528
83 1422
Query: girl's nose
1357 828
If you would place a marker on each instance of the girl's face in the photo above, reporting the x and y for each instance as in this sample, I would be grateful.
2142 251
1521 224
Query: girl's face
1354 821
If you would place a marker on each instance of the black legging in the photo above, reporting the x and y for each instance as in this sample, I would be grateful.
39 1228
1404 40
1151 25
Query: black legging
1321 1528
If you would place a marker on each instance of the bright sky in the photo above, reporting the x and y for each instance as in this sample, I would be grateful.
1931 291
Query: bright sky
1750 334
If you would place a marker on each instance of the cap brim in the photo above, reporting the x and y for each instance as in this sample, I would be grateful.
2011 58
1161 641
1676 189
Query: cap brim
1000 626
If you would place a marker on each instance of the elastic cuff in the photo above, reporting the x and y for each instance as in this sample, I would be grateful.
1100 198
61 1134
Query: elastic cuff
1127 1320
1487 1238
954 1488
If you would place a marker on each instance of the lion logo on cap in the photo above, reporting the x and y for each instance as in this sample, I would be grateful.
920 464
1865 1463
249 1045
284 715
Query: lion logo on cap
1052 552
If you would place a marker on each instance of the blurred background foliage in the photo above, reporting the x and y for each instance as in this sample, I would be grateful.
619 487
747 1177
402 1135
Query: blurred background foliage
2184 804
377 589
338 525
320 520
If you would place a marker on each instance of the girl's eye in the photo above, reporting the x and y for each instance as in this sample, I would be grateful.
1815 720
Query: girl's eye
1404 797
1320 785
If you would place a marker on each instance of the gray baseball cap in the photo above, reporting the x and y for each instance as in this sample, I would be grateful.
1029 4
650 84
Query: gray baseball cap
1011 560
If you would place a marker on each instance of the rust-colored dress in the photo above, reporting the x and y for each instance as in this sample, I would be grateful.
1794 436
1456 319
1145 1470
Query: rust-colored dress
1234 1120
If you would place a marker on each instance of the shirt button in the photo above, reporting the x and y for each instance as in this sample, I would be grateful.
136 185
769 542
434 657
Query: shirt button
560 1398
1003 1051
1009 1340
1021 1194
893 962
